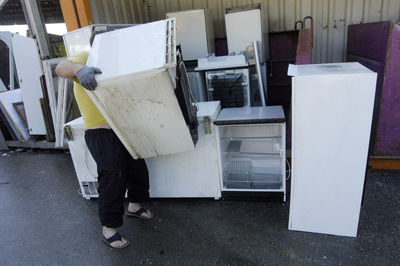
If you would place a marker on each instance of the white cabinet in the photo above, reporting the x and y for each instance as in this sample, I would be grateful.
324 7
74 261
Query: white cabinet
251 148
332 107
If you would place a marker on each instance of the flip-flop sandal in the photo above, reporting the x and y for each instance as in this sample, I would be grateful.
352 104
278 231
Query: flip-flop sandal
138 214
115 237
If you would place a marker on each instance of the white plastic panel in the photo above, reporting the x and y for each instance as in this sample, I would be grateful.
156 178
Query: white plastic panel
242 28
332 116
191 33
6 100
27 62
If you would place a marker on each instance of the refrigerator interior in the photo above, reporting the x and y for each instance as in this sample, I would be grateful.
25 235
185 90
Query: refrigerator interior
251 157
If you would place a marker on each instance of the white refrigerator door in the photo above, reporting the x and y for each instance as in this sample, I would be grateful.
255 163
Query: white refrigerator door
29 71
242 28
191 33
332 113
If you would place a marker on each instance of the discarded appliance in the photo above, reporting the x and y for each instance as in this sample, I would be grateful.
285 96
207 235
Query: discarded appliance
84 164
194 33
331 114
242 28
24 72
190 174
16 124
377 46
251 151
138 100
227 79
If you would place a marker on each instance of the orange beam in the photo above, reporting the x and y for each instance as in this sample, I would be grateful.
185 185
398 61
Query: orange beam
70 15
382 163
84 13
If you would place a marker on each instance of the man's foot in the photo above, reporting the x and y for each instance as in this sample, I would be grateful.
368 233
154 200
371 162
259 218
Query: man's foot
112 237
136 210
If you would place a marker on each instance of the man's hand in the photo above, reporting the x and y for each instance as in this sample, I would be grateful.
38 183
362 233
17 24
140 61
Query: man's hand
86 77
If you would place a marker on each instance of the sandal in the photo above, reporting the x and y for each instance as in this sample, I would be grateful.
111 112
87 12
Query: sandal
115 237
138 214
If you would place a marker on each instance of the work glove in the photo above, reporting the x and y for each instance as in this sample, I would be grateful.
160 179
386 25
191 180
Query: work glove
86 77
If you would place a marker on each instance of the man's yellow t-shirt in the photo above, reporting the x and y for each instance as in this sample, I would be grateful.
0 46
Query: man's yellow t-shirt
91 115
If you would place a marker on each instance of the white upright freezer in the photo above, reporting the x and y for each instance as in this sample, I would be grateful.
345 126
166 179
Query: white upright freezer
332 107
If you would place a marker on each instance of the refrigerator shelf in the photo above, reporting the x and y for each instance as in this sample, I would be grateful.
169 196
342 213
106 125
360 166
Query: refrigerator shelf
254 131
258 146
252 138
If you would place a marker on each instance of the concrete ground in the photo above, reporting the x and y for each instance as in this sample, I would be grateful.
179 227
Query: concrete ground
43 220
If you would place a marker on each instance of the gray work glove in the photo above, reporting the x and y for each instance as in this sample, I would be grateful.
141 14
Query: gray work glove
86 77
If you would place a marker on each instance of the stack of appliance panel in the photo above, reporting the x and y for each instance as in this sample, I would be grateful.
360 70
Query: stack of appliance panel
135 92
25 72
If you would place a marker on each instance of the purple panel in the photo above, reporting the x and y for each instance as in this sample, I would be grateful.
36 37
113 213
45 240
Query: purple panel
388 129
282 52
367 44
368 40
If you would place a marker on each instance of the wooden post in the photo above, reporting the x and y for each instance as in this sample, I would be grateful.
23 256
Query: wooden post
70 14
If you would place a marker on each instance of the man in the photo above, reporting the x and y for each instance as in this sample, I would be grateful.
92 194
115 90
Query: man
117 170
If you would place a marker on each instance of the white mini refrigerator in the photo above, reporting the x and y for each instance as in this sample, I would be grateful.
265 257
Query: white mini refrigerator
252 153
332 107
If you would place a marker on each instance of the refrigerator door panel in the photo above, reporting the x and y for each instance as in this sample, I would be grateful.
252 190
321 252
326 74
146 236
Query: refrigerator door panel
242 28
29 69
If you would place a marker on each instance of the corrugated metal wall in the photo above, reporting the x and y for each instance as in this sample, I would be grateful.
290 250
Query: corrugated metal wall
331 17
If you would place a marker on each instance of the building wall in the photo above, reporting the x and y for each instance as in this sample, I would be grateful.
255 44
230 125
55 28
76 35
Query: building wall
331 17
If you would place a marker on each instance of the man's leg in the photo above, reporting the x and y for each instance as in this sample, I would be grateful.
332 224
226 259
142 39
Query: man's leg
108 154
138 186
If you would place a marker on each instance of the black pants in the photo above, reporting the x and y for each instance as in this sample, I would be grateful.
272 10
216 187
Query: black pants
117 171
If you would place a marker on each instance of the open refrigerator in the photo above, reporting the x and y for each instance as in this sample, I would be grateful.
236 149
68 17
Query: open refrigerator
251 149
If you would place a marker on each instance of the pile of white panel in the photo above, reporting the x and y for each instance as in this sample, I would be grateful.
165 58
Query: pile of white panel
135 92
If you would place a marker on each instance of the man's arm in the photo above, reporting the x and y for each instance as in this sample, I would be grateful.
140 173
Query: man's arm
84 74
67 69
